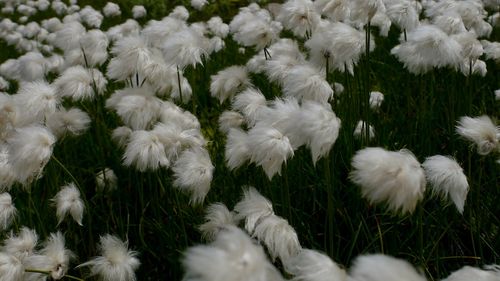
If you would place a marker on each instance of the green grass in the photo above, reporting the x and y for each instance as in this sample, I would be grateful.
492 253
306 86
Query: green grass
419 113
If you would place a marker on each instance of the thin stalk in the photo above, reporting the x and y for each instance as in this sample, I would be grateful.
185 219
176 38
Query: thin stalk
330 205
179 83
48 273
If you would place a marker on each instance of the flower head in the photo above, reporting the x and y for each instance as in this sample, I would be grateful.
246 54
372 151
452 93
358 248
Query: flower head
68 200
481 131
116 263
7 211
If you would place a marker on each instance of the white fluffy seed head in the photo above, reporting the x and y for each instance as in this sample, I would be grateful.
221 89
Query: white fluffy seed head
311 265
217 218
253 207
36 100
481 130
232 256
7 211
447 179
145 151
237 149
360 130
305 82
269 148
30 149
106 180
193 172
11 268
379 267
230 120
472 273
73 122
79 83
251 103
116 261
391 177
68 201
229 81
21 246
279 237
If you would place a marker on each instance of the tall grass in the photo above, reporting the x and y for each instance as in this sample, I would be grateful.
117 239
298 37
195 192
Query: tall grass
326 209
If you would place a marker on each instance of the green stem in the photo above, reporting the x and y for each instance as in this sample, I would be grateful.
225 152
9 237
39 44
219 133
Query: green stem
329 192
32 270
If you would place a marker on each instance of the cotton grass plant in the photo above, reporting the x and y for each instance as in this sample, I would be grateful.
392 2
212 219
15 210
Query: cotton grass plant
124 123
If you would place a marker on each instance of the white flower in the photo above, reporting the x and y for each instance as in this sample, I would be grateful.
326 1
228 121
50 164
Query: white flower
428 47
227 82
237 148
481 131
92 51
131 55
336 10
403 14
305 82
198 4
217 218
232 256
251 103
138 11
36 100
7 211
91 17
364 10
21 246
30 148
8 114
11 268
269 148
121 136
73 121
299 16
53 257
7 175
185 47
376 99
311 265
193 172
111 10
279 237
339 43
145 151
116 263
497 95
180 12
319 127
155 32
491 50
106 180
230 120
218 27
253 208
379 267
391 177
450 22
360 130
68 200
69 34
471 273
447 179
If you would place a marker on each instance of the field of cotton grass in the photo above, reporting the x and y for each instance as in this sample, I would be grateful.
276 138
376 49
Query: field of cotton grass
225 140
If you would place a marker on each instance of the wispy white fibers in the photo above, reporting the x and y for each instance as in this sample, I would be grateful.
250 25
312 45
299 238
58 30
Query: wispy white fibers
21 245
230 120
237 148
36 100
193 172
319 127
376 99
217 218
232 256
251 103
428 47
336 10
481 131
68 201
145 151
78 83
106 180
11 267
53 257
279 237
138 107
338 42
116 262
379 267
121 136
364 10
155 32
360 130
467 273
176 139
306 82
311 265
69 34
130 57
91 17
284 53
217 27
138 11
254 26
8 115
92 50
185 47
299 16
227 82
491 50
391 177
111 10
447 179
253 207
198 4
402 13
7 211
30 148
269 148
73 122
